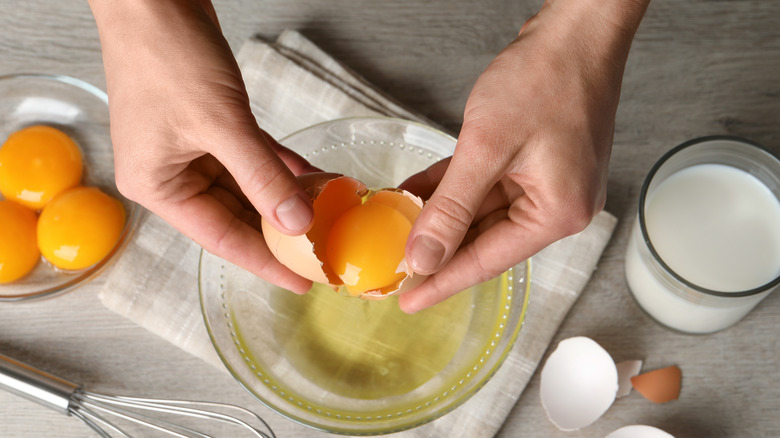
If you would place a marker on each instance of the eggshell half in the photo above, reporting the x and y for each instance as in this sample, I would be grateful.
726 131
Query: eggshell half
639 431
579 382
293 251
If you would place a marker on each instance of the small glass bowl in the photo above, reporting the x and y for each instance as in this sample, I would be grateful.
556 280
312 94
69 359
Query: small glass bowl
80 110
360 367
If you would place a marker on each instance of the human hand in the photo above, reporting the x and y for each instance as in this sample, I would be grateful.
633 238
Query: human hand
186 144
530 165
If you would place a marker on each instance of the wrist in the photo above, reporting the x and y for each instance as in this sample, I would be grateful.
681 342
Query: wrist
596 29
621 16
135 18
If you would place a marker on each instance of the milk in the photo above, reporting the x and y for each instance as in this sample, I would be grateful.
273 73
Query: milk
718 228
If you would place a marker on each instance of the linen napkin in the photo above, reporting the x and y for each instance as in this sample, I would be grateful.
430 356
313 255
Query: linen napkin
292 84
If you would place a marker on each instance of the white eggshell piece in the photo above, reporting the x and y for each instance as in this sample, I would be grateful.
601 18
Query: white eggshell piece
408 283
626 370
579 383
639 431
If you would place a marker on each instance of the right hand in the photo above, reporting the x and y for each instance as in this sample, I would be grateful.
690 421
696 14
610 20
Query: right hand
186 144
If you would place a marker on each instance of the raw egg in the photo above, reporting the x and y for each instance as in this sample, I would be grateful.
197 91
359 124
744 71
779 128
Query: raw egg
358 238
18 249
79 227
37 163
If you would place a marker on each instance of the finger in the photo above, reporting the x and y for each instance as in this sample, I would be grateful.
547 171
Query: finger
424 183
226 181
224 234
267 182
296 163
501 246
483 224
448 214
235 204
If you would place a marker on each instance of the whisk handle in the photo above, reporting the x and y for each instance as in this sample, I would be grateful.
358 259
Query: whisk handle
36 385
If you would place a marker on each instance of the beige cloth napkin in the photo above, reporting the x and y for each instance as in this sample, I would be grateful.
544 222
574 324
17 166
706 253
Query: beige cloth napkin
293 84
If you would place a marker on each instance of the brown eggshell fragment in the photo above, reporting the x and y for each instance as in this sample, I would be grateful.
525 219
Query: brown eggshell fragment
659 386
404 202
289 249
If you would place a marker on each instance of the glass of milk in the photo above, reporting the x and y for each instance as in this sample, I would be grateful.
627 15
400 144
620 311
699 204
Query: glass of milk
705 247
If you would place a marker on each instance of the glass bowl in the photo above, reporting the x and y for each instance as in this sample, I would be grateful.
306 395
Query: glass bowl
351 366
80 110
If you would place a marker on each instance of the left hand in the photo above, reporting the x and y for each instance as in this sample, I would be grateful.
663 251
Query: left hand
530 166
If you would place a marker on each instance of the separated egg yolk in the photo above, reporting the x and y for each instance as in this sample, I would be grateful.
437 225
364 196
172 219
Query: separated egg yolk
37 163
18 249
79 227
366 246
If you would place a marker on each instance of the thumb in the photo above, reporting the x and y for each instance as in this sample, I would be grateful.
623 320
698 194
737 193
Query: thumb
442 224
268 183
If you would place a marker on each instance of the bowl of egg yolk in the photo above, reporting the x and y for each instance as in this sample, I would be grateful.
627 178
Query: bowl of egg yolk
63 218
350 362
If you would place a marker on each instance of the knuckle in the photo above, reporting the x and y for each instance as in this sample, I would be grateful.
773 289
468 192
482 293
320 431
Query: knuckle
450 215
486 269
573 216
130 184
479 141
263 179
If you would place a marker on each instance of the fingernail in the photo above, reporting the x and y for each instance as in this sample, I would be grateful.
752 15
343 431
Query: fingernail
426 255
294 213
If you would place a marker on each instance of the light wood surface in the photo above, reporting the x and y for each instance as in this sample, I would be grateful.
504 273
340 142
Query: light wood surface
696 68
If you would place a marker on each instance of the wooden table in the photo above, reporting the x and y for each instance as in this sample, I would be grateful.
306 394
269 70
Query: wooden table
697 67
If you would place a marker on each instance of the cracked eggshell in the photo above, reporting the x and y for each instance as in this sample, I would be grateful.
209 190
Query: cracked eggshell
579 382
297 252
626 370
332 195
639 431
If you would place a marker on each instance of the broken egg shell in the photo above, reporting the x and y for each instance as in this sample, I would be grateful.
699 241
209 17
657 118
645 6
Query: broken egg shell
579 382
626 370
659 386
332 195
410 282
639 431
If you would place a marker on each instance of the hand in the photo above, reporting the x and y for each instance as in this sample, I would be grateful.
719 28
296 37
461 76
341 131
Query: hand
530 165
186 144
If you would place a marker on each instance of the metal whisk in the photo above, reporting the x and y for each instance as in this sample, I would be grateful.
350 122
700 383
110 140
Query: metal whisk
100 412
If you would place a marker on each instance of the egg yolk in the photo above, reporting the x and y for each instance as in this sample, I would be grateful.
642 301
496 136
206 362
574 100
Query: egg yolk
18 249
37 163
366 246
80 227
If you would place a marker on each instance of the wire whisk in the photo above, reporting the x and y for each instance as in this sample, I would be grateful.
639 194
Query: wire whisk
101 412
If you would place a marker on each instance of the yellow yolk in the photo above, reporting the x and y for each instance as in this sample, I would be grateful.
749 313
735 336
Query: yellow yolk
36 164
366 246
80 227
18 250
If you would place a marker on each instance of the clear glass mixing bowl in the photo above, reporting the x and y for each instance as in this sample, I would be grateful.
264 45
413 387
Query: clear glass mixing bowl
352 366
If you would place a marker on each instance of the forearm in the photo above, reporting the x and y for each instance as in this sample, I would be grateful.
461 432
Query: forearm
115 12
608 24
151 26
